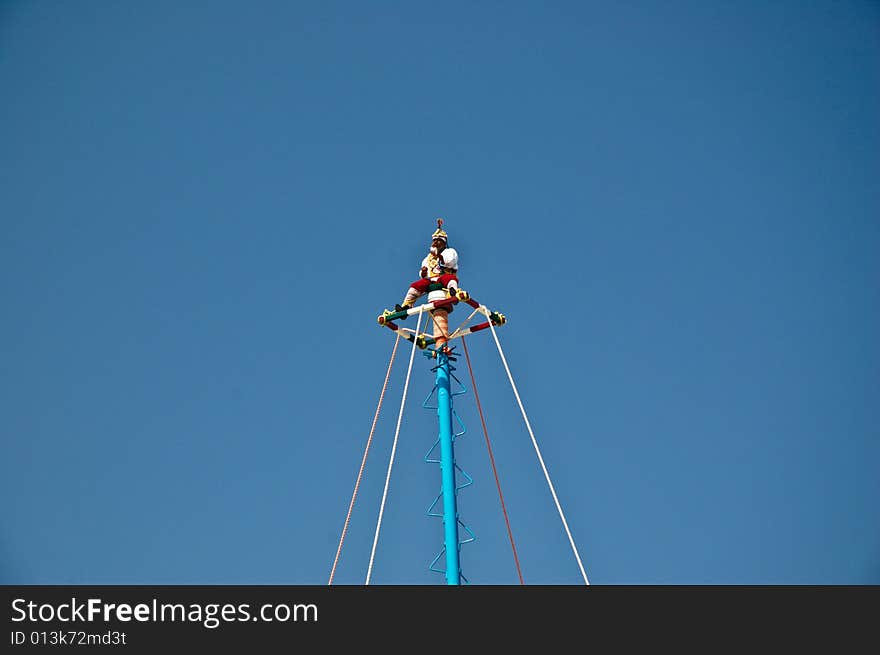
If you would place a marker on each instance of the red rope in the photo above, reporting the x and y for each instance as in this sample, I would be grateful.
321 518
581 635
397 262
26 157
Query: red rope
364 460
492 460
489 447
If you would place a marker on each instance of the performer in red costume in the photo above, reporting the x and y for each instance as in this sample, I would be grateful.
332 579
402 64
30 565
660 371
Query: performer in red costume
439 265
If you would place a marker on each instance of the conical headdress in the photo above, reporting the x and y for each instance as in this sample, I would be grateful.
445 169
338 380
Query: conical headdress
439 233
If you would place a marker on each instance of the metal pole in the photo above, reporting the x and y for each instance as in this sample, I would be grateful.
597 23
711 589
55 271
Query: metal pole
447 471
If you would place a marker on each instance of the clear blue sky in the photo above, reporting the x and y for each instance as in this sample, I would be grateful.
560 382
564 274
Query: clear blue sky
205 206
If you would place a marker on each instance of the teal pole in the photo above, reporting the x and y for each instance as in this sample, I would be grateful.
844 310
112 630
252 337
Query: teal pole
447 471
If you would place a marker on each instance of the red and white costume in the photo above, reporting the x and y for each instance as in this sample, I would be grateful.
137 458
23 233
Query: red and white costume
442 268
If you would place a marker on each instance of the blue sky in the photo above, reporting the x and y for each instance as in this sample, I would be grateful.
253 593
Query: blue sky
205 206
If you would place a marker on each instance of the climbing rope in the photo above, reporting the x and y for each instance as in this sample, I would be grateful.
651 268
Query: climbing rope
538 451
492 459
363 461
393 450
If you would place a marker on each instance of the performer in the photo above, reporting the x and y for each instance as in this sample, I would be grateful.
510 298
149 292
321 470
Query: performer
439 265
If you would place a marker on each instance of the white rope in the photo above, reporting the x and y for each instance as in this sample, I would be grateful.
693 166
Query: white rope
455 334
393 449
537 450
